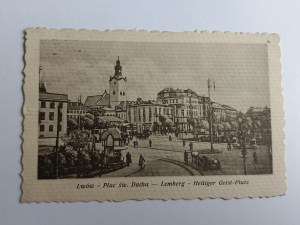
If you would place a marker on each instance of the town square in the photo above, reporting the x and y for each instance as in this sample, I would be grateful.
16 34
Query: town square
119 132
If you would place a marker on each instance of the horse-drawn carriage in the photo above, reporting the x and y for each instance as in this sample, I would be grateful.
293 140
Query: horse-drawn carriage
205 161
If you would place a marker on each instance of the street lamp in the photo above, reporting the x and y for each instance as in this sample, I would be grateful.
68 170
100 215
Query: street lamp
191 113
209 86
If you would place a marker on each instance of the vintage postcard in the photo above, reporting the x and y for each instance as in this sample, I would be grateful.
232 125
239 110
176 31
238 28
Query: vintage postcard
117 115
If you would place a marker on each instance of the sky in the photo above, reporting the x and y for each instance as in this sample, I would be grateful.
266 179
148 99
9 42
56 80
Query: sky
240 71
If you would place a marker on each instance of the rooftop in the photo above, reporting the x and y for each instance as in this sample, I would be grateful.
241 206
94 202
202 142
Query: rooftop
76 106
45 96
114 132
97 100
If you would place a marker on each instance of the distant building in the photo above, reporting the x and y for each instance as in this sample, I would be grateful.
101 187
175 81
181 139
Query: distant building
187 106
257 111
52 115
218 112
108 102
98 101
107 112
145 115
121 111
230 113
117 87
76 110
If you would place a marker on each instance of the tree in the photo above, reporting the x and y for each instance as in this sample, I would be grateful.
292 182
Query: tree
165 121
204 124
78 141
72 124
227 128
234 125
245 124
87 121
219 127
101 123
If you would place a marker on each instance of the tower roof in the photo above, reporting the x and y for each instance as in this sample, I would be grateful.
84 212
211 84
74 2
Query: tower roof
118 71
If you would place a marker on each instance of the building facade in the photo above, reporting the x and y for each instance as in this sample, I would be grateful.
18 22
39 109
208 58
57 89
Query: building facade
230 113
186 104
76 110
52 116
117 86
148 115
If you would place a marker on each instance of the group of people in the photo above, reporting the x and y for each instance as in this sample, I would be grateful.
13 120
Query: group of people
191 145
141 160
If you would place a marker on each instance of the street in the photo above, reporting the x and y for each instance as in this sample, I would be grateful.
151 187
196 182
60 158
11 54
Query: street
165 158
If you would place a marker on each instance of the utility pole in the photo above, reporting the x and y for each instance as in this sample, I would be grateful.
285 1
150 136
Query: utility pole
209 86
79 117
57 141
93 149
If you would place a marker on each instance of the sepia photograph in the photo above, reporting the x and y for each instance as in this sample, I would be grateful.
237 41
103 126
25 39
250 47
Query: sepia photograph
116 115
140 109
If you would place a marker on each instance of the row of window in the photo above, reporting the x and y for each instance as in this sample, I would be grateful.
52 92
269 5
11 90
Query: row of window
121 93
187 100
50 128
51 105
158 111
42 116
122 116
173 100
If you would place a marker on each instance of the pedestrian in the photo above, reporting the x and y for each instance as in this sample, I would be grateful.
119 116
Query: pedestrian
229 145
170 138
183 143
141 162
186 157
254 157
150 142
191 146
128 159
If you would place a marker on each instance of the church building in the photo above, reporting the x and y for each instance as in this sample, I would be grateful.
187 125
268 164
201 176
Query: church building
117 87
109 101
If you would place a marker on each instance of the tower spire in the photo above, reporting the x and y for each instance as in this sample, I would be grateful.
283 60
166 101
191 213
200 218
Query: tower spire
118 68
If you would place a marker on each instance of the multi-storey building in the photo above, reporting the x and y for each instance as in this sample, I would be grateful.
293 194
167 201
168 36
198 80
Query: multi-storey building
76 110
147 115
52 116
230 113
218 112
187 106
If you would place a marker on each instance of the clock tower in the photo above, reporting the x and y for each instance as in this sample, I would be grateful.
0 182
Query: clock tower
117 86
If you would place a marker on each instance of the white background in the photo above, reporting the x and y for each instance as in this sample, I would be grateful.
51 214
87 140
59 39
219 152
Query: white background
281 17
